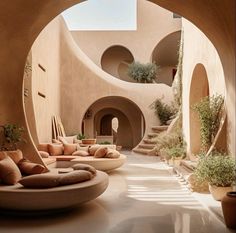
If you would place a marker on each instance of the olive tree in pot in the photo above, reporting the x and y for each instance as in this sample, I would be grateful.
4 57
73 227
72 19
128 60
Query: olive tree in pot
218 169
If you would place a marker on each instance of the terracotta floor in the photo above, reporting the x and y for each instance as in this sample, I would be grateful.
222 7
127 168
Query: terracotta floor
143 197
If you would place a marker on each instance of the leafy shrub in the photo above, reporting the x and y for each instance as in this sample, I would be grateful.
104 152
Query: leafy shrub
176 151
143 73
163 110
12 135
217 169
209 110
81 136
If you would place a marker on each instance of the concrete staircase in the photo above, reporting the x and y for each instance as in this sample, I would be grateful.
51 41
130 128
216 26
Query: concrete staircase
146 146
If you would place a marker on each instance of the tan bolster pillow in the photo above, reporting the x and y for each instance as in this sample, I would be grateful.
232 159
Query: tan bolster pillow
85 167
75 177
29 168
112 154
101 152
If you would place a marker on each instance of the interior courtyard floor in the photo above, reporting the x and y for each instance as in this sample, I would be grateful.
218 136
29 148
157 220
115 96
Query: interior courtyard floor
143 196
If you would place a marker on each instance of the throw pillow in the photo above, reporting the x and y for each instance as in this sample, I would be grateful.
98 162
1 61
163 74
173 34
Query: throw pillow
81 153
43 147
112 154
69 149
55 149
44 154
15 155
10 173
93 149
28 168
101 152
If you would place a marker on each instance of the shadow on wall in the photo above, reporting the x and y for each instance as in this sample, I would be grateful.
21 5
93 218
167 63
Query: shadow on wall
115 61
165 55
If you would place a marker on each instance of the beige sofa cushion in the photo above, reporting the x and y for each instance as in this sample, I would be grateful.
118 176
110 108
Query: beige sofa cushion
9 172
43 147
40 181
112 154
74 177
69 149
84 148
86 167
81 153
55 149
44 154
56 141
15 155
28 168
67 139
101 152
93 149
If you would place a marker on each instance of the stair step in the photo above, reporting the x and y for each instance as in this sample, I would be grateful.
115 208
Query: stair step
152 135
141 151
148 141
159 128
147 146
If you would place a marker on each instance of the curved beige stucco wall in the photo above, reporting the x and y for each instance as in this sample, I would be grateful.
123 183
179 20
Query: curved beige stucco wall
72 82
215 18
199 50
153 24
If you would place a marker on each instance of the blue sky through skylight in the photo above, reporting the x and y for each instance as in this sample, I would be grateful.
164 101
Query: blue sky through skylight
102 15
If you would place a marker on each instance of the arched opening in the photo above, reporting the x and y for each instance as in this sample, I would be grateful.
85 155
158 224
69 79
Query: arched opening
117 120
115 61
165 55
199 89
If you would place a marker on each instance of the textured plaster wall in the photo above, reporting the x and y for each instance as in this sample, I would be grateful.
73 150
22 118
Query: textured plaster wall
72 82
198 49
153 24
46 51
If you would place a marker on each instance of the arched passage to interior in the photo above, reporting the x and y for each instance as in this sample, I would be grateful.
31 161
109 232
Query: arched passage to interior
199 89
131 124
115 61
123 136
165 55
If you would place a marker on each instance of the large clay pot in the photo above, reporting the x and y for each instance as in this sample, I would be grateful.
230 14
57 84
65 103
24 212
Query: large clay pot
90 141
219 192
228 204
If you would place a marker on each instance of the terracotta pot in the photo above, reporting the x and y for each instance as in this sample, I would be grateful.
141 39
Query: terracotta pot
89 141
228 204
219 192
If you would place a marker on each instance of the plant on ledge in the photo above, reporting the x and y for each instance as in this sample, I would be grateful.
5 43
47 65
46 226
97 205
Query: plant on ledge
209 110
164 111
81 136
143 73
12 135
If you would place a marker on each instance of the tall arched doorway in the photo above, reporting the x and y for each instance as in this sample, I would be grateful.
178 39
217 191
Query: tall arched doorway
199 89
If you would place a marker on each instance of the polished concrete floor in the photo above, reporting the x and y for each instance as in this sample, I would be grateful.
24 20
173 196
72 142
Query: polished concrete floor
143 197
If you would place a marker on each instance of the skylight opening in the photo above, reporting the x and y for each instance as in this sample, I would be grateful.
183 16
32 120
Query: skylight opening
102 15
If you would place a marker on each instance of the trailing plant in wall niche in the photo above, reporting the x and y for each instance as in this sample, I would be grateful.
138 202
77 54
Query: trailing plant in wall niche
177 83
143 73
209 110
12 135
164 111
217 169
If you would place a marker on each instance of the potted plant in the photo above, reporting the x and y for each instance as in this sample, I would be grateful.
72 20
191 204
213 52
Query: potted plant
11 137
218 169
